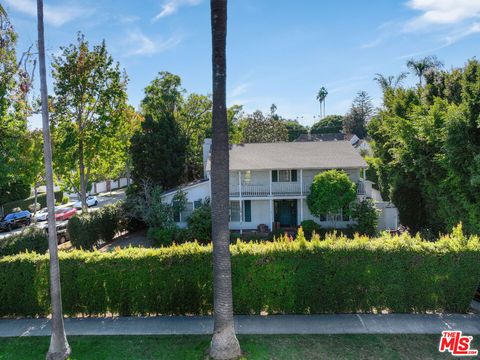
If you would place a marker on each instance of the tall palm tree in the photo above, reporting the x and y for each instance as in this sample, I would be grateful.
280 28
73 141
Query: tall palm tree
59 348
224 343
321 96
2 11
420 67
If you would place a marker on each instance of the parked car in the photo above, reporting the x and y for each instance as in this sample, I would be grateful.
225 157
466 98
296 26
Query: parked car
41 215
91 201
62 234
15 220
63 214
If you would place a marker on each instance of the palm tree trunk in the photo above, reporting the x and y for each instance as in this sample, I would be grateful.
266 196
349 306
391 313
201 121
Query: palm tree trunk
224 343
59 348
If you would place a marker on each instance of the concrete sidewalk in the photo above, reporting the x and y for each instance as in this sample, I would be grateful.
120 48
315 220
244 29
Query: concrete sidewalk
245 324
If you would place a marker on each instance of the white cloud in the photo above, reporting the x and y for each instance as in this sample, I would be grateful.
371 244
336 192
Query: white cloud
170 7
238 90
141 44
456 36
442 12
55 15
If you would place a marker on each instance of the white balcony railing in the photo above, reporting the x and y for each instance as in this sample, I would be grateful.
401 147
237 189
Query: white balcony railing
282 189
261 190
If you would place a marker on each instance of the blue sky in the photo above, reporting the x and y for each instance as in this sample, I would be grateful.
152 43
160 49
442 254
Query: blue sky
279 51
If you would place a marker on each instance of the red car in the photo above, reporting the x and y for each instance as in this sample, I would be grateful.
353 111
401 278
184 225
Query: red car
65 213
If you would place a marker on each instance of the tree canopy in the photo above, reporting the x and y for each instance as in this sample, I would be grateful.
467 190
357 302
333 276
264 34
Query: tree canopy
426 144
329 124
355 121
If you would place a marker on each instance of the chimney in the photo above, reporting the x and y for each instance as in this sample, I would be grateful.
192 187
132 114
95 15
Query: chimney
207 144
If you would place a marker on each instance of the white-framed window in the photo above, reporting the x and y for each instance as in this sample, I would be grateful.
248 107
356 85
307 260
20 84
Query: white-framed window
284 175
187 211
247 176
234 210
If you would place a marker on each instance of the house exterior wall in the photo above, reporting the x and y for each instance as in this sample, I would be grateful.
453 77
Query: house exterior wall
260 215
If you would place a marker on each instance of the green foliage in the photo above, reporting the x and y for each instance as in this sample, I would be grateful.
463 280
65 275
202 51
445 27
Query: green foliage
295 129
366 216
331 191
30 239
16 165
87 231
258 128
337 275
310 227
200 224
426 144
88 114
329 124
26 203
162 236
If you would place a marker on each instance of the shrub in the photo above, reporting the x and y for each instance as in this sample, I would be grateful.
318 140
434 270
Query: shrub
310 226
338 275
366 217
65 199
162 236
86 231
200 224
30 239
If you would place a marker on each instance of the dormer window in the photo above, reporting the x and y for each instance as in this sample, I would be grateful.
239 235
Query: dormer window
284 175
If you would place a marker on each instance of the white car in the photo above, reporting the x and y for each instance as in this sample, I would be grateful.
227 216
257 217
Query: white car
41 215
91 201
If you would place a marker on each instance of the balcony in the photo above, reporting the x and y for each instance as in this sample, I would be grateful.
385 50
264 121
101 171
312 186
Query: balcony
263 190
283 189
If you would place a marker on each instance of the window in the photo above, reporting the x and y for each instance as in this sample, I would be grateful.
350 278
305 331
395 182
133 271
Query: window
197 203
284 175
234 210
247 176
187 211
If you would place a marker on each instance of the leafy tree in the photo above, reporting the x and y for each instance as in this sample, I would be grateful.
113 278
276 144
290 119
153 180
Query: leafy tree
422 66
295 129
15 143
224 344
360 113
195 119
329 124
158 151
258 128
90 97
59 348
426 144
331 192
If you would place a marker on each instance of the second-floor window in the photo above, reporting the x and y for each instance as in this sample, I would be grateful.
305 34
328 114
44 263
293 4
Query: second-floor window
284 175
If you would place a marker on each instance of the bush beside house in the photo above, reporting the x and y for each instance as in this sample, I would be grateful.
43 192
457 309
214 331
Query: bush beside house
338 275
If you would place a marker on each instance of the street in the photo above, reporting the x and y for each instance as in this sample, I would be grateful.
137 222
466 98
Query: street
103 199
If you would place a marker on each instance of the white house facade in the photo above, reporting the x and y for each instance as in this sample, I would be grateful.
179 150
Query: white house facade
269 184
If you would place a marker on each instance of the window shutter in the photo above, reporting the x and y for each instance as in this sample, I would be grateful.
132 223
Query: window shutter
294 175
274 175
247 204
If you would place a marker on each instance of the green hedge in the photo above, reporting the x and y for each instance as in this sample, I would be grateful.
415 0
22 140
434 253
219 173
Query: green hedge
25 203
86 231
336 275
30 239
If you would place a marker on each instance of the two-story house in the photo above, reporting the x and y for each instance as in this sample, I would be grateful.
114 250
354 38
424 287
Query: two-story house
269 184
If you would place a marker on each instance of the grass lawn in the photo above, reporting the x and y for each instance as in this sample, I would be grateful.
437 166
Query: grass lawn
254 347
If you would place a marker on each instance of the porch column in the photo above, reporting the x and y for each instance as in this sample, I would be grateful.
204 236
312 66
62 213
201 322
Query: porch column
301 182
241 202
271 213
270 182
301 210
364 174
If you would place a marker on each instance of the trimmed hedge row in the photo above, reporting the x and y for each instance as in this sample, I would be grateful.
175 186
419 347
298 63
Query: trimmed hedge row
336 275
30 239
25 203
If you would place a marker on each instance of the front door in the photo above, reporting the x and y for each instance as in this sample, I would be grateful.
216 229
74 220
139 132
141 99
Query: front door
286 213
